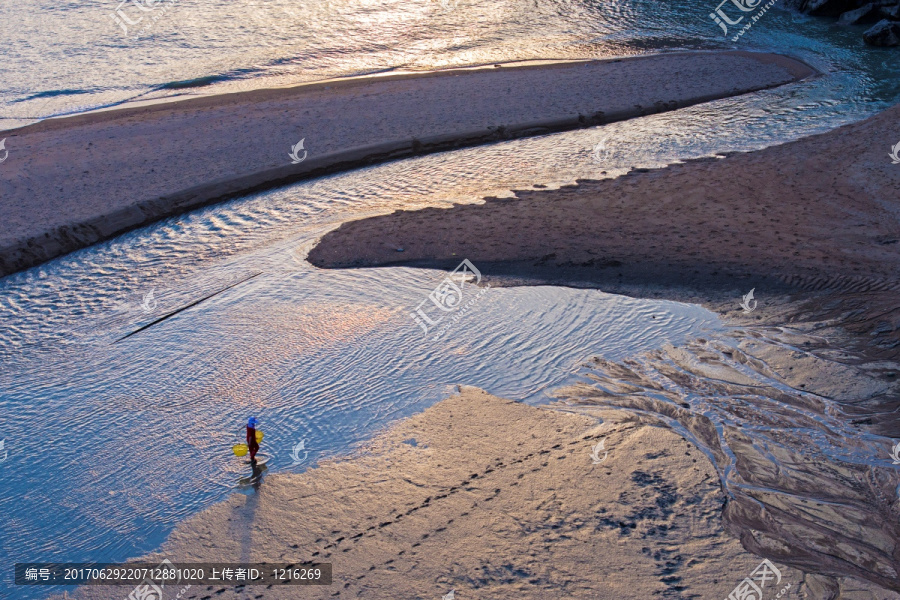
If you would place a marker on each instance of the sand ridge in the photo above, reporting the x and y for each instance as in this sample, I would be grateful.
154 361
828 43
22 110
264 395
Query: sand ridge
814 227
75 181
820 213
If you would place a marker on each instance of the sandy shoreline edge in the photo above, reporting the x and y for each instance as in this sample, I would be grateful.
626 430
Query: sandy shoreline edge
494 499
816 214
813 225
129 167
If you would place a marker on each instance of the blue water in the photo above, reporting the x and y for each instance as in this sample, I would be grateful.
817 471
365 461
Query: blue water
123 440
63 58
126 436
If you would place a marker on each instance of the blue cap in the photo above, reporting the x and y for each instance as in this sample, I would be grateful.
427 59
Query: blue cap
252 422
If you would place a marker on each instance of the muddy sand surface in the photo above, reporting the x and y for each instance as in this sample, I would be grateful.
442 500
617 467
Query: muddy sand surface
492 499
800 413
772 442
71 182
818 214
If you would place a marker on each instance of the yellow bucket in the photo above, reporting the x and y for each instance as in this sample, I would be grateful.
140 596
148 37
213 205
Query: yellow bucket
240 449
259 436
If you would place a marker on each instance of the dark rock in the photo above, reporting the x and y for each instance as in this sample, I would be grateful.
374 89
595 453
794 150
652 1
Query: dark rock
866 14
829 8
892 13
883 33
795 4
832 7
886 32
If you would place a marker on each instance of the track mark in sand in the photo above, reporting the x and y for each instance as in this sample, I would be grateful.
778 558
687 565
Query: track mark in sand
430 502
184 308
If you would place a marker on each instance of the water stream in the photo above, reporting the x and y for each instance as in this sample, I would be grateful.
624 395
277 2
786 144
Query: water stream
113 441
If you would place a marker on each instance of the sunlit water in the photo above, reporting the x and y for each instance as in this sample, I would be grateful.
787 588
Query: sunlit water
120 440
125 436
63 58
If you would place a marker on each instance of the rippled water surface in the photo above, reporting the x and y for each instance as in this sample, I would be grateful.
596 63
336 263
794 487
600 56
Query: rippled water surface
128 434
60 58
125 437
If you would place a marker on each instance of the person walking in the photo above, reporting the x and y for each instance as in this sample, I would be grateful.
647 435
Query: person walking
252 444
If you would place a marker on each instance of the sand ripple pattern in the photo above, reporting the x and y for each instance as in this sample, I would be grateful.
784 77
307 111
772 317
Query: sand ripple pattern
807 484
125 439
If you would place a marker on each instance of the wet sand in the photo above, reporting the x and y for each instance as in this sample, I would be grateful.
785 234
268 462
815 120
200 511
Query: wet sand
72 182
494 499
500 500
817 214
814 227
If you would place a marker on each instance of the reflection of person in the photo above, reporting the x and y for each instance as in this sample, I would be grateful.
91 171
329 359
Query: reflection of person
257 475
255 478
251 438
